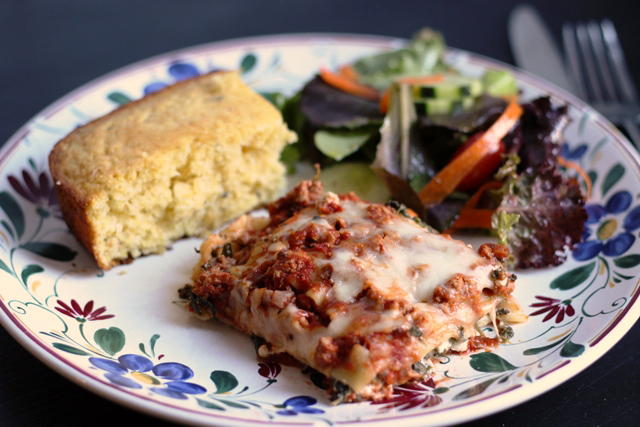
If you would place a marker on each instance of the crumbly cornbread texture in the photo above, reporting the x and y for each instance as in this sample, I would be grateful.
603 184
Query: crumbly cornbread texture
179 162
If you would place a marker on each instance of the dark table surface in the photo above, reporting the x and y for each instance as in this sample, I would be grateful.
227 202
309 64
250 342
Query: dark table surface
48 48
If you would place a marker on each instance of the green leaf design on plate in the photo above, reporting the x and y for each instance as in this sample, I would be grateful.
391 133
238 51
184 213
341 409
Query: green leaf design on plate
70 349
598 147
7 227
440 390
571 349
29 270
224 381
5 267
593 176
624 276
490 362
532 351
628 261
209 405
234 404
476 389
119 98
152 345
612 177
248 62
13 211
573 278
50 250
110 340
582 123
152 342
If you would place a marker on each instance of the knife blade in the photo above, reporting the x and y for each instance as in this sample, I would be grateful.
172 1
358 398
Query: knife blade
534 48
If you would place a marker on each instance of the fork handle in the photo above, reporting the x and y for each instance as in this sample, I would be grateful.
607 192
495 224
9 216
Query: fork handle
632 129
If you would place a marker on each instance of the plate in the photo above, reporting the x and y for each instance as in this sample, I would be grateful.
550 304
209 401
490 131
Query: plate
125 335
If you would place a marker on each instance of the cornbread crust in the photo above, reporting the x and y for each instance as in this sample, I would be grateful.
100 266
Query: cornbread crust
179 162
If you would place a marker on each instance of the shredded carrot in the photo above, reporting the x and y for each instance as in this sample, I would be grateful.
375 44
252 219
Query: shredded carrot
348 72
340 82
581 172
434 78
473 200
469 216
466 217
446 181
385 100
472 218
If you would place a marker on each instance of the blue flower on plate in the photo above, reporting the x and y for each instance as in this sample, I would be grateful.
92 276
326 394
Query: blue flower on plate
178 70
299 405
575 153
604 233
134 371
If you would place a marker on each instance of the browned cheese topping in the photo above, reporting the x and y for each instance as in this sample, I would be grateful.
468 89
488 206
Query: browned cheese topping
352 289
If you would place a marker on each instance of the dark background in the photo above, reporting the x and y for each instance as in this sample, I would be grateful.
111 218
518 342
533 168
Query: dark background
50 47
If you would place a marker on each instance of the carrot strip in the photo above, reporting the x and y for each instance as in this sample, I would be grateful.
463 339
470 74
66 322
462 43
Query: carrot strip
348 72
348 86
473 200
446 181
385 100
433 78
464 219
581 172
473 218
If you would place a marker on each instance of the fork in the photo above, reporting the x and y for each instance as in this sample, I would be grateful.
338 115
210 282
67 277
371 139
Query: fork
596 62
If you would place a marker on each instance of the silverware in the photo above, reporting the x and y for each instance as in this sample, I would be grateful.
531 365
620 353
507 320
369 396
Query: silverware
534 48
596 62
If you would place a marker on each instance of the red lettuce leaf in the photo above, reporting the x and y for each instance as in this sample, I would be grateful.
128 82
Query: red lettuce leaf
552 216
539 135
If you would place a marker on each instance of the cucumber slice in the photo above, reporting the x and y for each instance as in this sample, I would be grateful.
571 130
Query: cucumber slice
435 106
499 83
357 177
339 145
452 87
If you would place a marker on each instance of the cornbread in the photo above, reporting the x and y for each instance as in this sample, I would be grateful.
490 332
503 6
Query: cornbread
179 162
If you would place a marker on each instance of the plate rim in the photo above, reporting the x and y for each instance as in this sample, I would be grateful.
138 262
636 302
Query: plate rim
628 316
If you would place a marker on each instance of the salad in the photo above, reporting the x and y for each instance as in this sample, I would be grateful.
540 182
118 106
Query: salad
462 153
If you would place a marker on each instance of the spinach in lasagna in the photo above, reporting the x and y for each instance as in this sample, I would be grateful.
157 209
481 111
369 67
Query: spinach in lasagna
361 292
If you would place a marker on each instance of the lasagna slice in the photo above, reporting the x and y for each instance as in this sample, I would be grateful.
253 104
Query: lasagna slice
360 292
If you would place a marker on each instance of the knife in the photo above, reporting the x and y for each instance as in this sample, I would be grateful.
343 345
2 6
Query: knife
534 48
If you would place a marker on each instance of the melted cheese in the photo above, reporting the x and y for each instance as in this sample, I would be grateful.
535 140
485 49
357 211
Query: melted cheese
400 261
414 261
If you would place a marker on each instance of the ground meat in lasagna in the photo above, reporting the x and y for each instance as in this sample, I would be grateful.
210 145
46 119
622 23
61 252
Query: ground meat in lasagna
360 292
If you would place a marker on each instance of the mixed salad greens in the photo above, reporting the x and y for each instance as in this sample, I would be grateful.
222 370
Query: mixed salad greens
459 151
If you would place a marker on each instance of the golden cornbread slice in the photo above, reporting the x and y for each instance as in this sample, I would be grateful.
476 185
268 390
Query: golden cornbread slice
179 162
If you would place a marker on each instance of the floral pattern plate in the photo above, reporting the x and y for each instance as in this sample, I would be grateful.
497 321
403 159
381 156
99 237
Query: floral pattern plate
125 335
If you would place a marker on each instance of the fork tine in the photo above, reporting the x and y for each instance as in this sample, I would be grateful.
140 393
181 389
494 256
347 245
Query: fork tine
627 88
572 58
587 55
596 40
